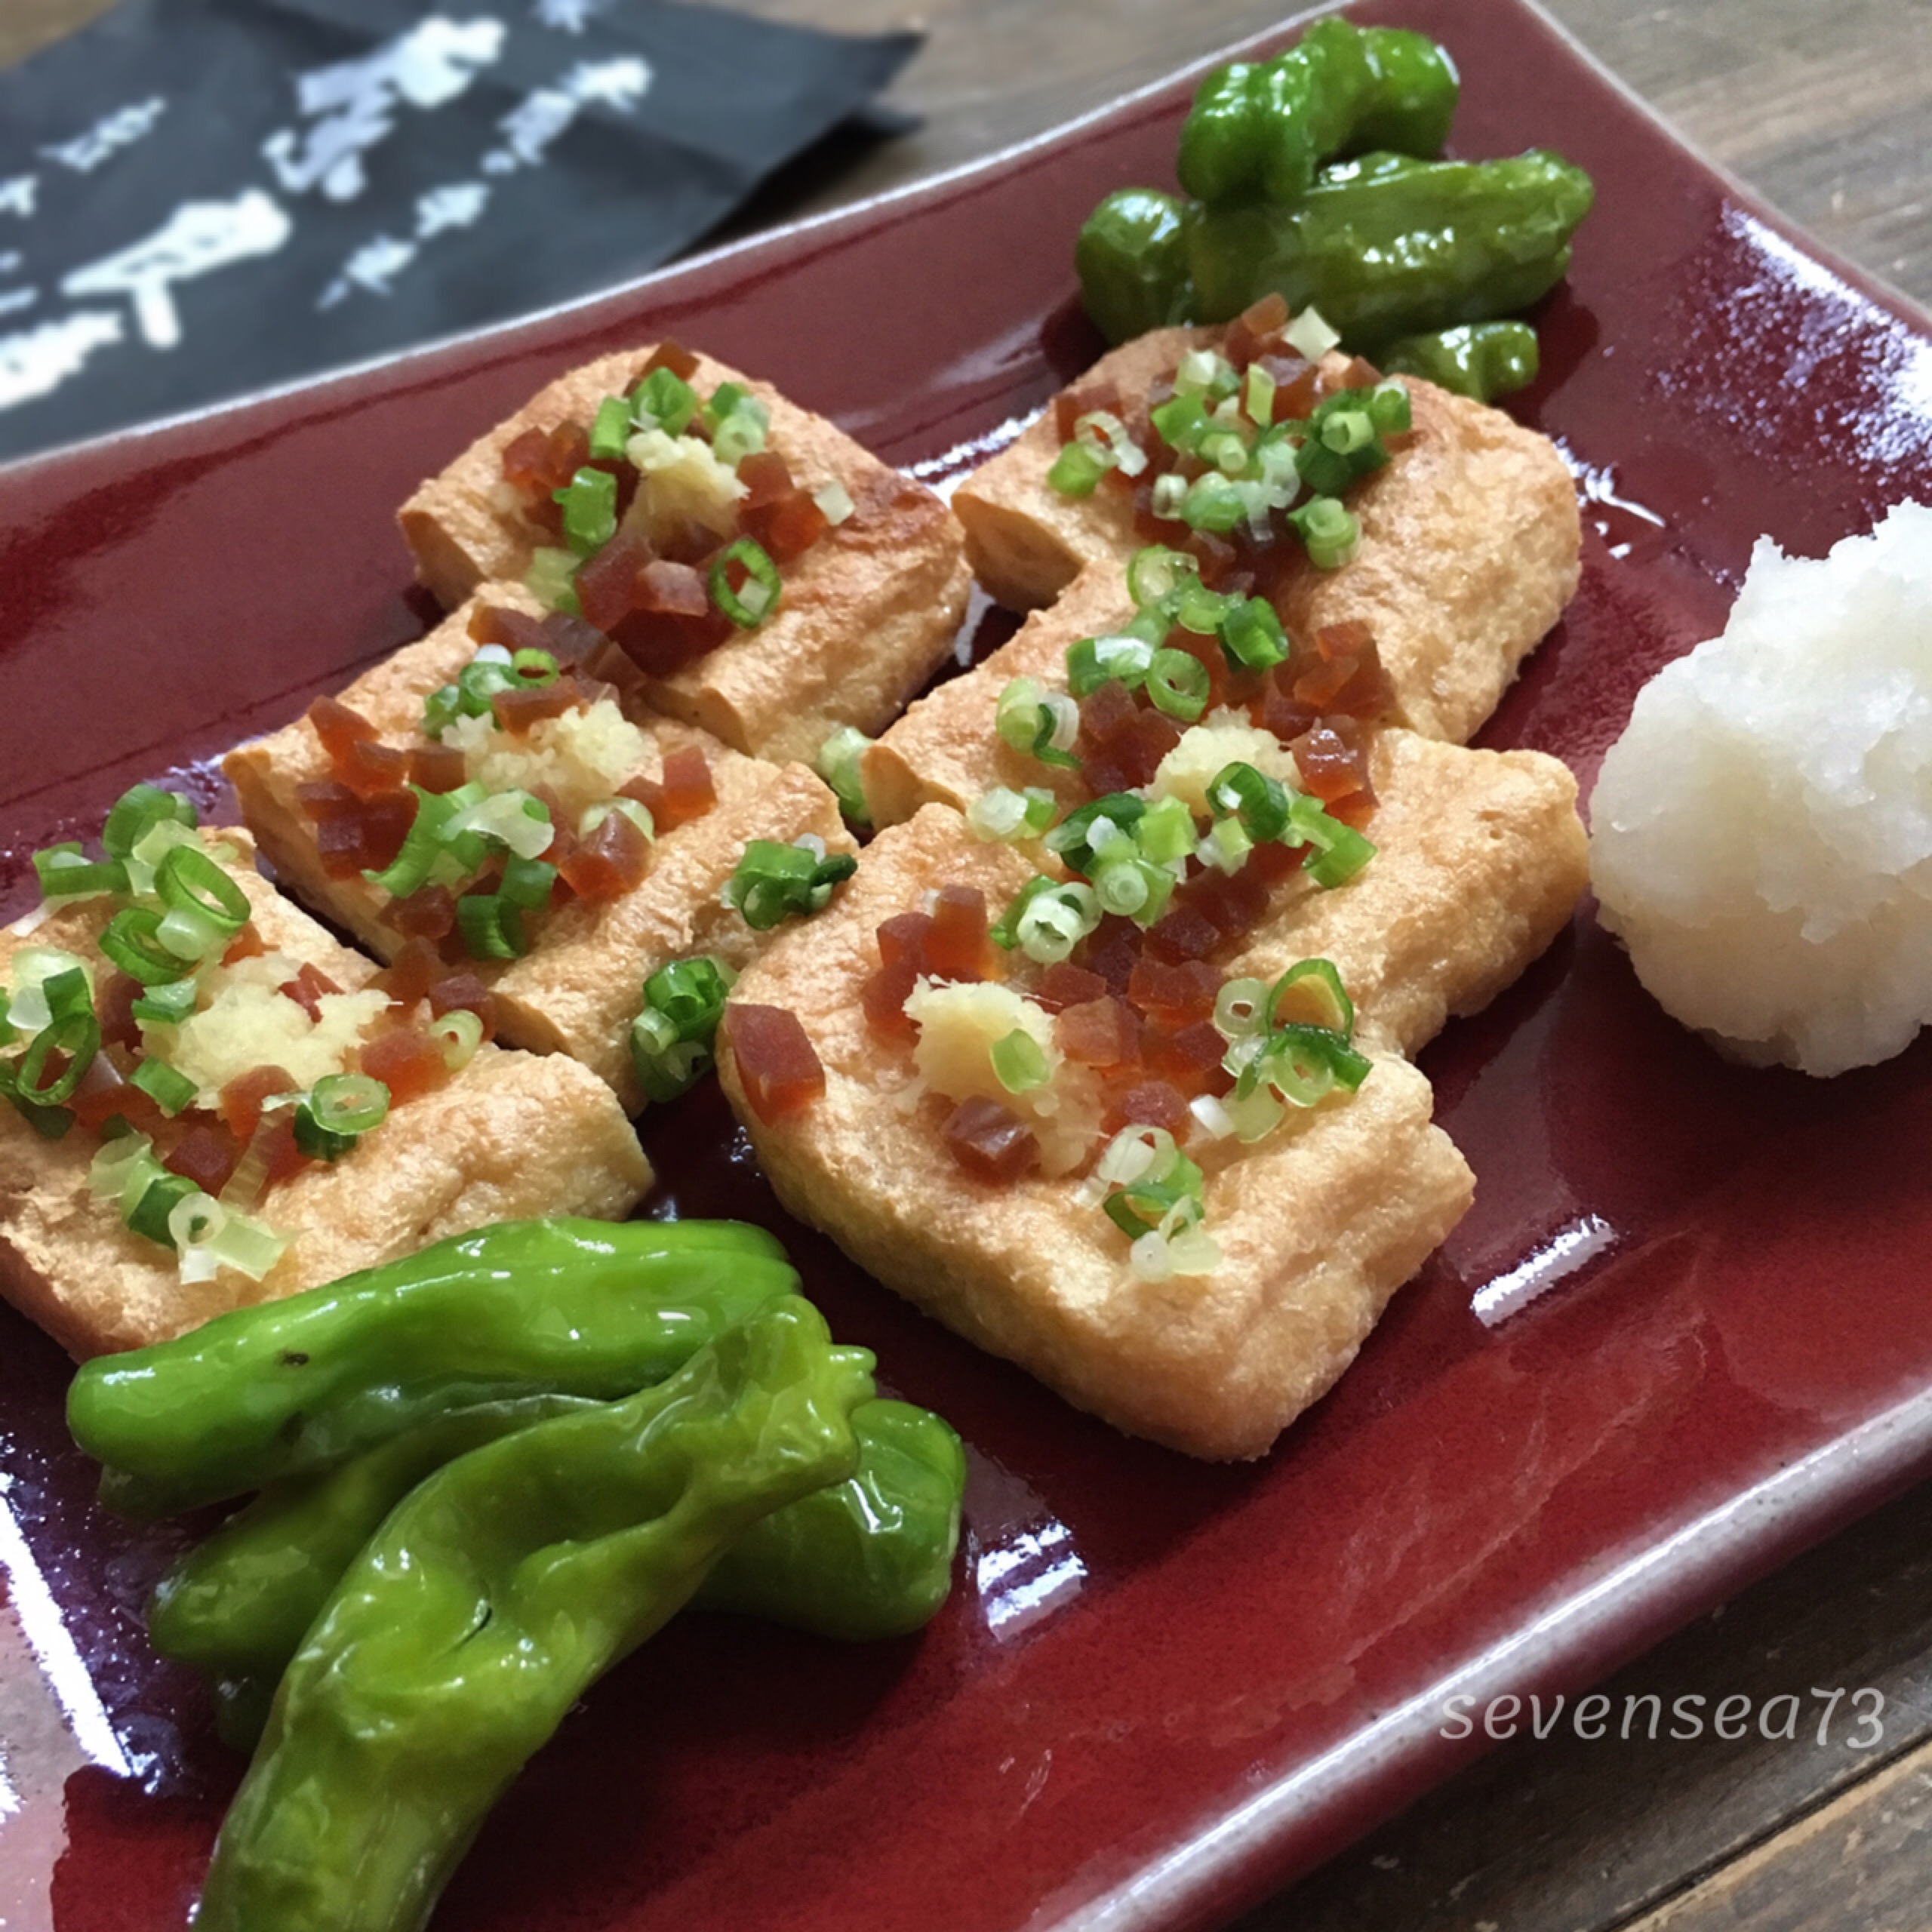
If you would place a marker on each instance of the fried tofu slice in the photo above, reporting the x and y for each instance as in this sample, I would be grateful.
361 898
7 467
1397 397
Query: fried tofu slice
1318 1227
868 614
1481 856
511 1136
579 987
1470 541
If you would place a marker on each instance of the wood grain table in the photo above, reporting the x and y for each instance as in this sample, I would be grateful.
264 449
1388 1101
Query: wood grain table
1825 108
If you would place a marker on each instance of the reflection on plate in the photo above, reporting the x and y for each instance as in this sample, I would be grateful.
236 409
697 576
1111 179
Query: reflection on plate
1681 1333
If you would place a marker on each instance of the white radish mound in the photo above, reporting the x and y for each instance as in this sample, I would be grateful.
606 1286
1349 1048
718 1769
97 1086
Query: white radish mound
1761 834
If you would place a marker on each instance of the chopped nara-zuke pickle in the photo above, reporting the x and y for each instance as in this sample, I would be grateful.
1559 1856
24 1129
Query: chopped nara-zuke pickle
668 518
778 1067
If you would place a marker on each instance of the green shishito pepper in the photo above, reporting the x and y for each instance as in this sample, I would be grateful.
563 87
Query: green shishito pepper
1387 247
870 1557
569 1306
1263 127
490 1601
1483 360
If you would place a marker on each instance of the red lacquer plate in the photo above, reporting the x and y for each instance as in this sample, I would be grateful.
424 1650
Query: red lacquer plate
1683 1332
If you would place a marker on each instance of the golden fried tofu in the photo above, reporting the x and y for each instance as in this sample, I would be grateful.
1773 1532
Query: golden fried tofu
868 613
579 987
511 1136
1468 550
1319 1225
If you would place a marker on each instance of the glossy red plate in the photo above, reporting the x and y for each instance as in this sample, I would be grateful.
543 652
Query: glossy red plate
1683 1332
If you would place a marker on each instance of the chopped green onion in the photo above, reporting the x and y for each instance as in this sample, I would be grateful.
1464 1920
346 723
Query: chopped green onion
131 940
1389 408
838 764
422 846
671 1039
533 669
1102 432
166 1005
66 993
1042 724
527 882
1226 846
664 401
610 430
1340 851
1170 493
1260 803
1180 422
773 882
1259 399
354 1103
1155 574
441 709
209 1239
1004 814
589 501
1252 638
188 880
1242 1008
1203 611
190 935
170 1089
1082 834
1227 450
49 1123
65 872
552 579
1177 681
750 605
137 811
153 1211
1304 1065
1213 502
1092 661
1049 918
1165 831
1019 1064
1206 370
512 819
76 1037
1329 532
338 1112
633 809
458 1033
492 926
834 501
1309 335
1345 431
115 1161
9 1033
1076 470
489 672
742 432
1316 982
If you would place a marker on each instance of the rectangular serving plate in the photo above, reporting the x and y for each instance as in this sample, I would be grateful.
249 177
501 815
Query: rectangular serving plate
1682 1335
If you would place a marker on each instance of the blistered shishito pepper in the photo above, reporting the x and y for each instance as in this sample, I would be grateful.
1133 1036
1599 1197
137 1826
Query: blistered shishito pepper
1131 257
1387 247
577 1307
1481 360
1264 128
869 1557
491 1600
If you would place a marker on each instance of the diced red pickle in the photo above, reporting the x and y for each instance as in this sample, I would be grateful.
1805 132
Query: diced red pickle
957 947
208 1154
670 354
307 988
240 1103
1150 1103
1102 1033
990 1141
1065 984
903 937
612 860
429 913
408 1063
466 992
778 1066
1177 995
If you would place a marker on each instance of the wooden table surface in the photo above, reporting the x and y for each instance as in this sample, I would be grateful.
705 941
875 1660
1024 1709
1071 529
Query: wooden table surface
1825 107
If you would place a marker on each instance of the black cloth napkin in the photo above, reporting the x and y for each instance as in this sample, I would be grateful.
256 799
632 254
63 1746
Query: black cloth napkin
200 197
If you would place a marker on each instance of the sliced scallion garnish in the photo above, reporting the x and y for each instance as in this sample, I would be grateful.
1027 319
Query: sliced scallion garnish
758 596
